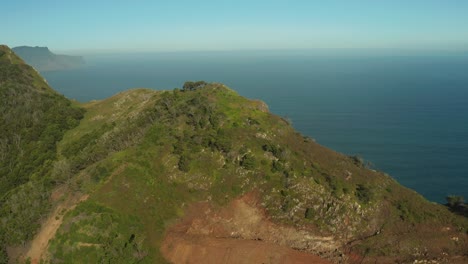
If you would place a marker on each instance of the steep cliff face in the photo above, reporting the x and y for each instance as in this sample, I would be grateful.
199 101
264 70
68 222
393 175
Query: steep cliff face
205 174
43 59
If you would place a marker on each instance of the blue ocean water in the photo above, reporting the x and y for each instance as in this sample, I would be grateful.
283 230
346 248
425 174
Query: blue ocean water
405 113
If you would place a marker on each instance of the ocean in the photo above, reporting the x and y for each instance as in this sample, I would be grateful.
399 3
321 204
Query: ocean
405 113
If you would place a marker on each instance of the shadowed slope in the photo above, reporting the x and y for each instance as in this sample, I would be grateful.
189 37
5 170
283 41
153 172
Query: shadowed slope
33 118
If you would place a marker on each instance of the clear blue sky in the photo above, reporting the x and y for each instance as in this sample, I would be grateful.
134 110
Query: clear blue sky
168 25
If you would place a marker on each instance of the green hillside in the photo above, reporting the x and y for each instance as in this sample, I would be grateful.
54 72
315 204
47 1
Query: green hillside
136 163
33 118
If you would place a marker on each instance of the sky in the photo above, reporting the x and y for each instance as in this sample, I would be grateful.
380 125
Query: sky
183 25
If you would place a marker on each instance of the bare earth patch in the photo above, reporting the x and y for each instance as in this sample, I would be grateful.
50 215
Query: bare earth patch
37 248
40 242
239 233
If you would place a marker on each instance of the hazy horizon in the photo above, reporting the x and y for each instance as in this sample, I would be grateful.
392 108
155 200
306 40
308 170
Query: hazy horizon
263 52
148 26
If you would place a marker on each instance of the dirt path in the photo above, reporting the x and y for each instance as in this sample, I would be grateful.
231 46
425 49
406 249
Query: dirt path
239 233
40 242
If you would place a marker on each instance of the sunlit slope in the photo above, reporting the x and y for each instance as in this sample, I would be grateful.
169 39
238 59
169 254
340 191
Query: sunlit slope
144 156
156 176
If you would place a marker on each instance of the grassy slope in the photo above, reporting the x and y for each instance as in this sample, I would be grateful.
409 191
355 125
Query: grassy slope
144 155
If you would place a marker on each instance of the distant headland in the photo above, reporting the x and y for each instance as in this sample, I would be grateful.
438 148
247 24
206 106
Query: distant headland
43 59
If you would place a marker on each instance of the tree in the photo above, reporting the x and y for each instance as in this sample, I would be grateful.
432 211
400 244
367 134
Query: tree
191 86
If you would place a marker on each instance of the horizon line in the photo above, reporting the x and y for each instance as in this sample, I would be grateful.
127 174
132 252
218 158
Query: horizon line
103 51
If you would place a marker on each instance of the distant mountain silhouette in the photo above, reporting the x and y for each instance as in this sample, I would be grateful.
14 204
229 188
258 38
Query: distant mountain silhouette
43 59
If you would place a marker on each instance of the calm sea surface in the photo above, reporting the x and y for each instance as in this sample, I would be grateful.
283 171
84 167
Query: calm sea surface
407 114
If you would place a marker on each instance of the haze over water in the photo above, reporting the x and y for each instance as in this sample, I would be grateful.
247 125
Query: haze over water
405 113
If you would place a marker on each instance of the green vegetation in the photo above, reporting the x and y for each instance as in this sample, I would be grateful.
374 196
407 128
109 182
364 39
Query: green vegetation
454 201
364 193
210 141
190 86
33 118
457 205
93 233
248 162
143 156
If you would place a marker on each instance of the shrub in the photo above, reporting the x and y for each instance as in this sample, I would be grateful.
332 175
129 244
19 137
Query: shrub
357 160
364 193
191 86
309 213
248 161
184 163
454 201
277 166
275 150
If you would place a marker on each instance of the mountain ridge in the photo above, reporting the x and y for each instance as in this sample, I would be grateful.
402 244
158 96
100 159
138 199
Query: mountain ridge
146 159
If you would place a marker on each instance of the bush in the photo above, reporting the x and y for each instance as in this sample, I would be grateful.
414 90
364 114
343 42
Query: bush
364 193
275 150
191 86
357 160
408 212
248 161
335 184
454 201
184 163
277 166
309 213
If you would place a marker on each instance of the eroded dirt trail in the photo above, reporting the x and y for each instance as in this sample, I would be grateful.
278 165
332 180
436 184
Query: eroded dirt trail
40 242
239 233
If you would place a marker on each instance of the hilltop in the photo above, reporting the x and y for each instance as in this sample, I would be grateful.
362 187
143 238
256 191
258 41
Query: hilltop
199 174
43 59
